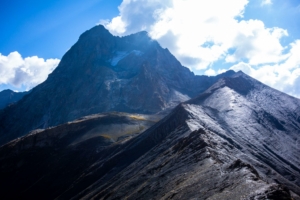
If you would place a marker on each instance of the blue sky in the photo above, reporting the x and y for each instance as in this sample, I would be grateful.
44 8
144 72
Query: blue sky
48 28
284 14
260 37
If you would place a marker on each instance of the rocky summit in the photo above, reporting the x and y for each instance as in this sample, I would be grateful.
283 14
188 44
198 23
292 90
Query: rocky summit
102 73
121 118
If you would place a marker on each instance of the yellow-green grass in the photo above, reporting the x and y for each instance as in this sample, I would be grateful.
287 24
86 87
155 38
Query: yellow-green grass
137 117
106 136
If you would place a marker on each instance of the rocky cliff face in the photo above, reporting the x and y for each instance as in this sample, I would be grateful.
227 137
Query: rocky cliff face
237 140
103 73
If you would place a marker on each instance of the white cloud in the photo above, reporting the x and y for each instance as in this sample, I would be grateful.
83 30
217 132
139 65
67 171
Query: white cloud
136 16
117 25
284 76
266 2
257 44
210 72
245 67
200 33
27 72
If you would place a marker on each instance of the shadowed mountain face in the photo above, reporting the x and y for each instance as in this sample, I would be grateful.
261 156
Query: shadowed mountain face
8 97
102 73
30 165
237 140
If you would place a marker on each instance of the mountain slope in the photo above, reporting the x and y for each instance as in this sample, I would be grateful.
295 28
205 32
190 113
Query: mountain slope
8 97
259 118
102 73
230 126
44 163
237 140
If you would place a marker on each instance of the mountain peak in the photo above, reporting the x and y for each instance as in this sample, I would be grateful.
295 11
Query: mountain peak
7 91
142 34
102 73
238 81
96 31
238 139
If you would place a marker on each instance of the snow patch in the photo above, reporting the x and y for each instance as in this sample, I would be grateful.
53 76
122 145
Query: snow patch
194 125
108 83
137 53
119 55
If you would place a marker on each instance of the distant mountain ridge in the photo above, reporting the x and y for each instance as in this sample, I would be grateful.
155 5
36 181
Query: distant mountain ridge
236 140
8 97
102 73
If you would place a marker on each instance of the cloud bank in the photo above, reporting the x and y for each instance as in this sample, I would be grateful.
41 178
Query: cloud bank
25 72
283 76
203 33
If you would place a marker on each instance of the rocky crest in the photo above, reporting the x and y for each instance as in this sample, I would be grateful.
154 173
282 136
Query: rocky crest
237 140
